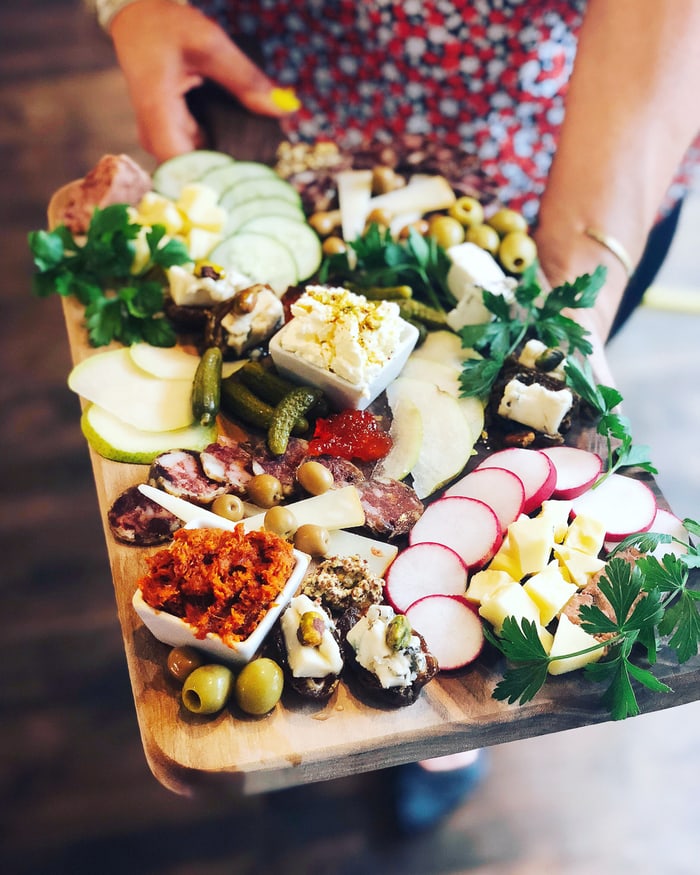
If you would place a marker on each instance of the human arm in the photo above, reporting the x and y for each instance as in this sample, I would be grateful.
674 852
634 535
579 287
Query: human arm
165 49
631 113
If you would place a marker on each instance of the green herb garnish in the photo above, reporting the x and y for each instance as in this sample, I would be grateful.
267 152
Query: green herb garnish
650 601
119 305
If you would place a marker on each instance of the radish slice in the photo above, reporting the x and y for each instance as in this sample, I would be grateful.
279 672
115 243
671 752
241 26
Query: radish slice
451 627
466 525
502 490
668 523
577 470
623 505
421 570
536 471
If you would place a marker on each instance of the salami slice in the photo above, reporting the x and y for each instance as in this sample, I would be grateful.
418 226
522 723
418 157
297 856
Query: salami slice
283 467
180 473
137 520
229 463
391 508
344 473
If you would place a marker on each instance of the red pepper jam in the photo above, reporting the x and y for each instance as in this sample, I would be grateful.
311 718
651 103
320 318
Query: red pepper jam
351 434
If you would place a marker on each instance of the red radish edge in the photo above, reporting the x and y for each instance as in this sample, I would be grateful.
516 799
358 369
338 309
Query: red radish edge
500 488
622 504
533 467
421 570
451 628
577 470
466 525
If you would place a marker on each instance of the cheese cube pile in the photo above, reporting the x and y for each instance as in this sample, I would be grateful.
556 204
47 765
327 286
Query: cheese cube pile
195 218
542 562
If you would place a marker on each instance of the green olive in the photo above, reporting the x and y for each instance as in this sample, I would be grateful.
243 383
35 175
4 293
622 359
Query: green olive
485 237
182 661
446 231
505 220
281 521
314 477
312 539
229 507
207 689
468 211
324 223
259 686
265 490
334 245
517 251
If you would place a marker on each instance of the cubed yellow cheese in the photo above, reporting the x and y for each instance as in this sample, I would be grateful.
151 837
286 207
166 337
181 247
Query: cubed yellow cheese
506 559
484 583
532 540
142 253
201 242
577 566
198 205
154 209
549 591
571 638
511 600
586 534
557 514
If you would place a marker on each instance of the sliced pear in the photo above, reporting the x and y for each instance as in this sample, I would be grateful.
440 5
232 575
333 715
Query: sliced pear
115 440
447 438
173 362
407 435
113 381
444 347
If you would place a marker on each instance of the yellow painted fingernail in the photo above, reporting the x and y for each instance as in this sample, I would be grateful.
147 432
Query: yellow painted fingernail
285 98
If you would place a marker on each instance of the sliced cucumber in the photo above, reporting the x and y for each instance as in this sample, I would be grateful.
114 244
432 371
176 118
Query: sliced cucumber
226 175
173 174
250 189
262 258
299 237
264 206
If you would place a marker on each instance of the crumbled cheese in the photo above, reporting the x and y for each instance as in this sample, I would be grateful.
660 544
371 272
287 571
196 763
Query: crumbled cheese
532 350
306 661
535 405
246 330
393 668
339 331
188 290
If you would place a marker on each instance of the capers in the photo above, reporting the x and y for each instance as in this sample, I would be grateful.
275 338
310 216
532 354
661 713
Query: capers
334 245
517 251
281 521
446 231
314 477
265 490
182 661
312 539
312 625
398 632
506 220
230 507
468 211
207 689
259 686
484 236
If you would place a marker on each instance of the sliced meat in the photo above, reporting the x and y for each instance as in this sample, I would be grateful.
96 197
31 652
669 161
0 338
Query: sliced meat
229 463
115 179
180 473
284 467
391 508
344 473
137 520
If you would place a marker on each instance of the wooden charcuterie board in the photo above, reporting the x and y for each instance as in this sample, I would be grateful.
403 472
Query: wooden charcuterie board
304 742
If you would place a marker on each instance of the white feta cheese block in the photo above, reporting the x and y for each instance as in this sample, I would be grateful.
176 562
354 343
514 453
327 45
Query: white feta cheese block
535 405
188 290
472 271
245 330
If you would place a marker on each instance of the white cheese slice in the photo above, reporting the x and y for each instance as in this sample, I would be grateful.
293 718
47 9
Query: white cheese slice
354 194
306 661
473 269
422 195
335 509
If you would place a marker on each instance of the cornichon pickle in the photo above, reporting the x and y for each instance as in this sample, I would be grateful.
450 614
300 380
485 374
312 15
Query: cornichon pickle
382 293
206 387
240 403
416 311
295 404
272 388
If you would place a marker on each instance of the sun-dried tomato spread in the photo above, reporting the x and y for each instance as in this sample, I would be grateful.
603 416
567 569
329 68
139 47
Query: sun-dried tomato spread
218 581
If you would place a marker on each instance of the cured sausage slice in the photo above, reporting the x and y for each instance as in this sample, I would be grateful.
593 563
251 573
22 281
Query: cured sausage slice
137 520
391 508
180 473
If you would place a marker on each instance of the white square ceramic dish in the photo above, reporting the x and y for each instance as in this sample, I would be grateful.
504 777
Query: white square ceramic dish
340 392
177 633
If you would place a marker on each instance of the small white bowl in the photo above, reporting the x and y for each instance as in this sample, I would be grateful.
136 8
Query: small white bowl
340 392
177 633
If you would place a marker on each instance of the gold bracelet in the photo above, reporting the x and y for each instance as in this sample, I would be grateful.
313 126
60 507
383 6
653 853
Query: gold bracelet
614 246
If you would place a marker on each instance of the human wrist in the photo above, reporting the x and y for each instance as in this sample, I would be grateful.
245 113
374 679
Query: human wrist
108 9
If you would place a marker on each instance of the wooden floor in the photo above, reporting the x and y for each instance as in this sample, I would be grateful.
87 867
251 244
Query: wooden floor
76 795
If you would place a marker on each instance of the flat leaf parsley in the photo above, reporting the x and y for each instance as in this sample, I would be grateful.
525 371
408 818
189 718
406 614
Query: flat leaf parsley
119 305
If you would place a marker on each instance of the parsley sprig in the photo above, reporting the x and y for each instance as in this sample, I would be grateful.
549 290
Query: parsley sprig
376 259
651 602
119 305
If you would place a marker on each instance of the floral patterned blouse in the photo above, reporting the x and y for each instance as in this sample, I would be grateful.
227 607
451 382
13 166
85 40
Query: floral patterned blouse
487 75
